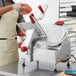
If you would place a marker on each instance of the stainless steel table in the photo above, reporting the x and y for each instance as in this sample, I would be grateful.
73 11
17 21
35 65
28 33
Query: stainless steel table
13 70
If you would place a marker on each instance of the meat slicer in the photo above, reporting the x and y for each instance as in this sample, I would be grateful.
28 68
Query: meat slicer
47 46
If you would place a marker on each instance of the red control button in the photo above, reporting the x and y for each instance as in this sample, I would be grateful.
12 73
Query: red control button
23 49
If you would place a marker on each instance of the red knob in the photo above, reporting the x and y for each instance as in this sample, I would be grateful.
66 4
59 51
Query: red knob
59 23
19 44
23 49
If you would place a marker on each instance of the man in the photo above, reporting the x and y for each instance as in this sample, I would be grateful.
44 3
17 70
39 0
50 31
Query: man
9 16
12 6
8 5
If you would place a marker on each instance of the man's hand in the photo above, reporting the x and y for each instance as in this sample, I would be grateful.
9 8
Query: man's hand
25 9
22 8
17 6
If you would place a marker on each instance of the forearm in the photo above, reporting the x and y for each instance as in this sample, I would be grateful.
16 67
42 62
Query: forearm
5 9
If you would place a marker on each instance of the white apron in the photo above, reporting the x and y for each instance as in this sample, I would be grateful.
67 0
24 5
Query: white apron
8 46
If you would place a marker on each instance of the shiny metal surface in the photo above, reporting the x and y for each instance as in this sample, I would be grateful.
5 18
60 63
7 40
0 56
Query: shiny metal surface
12 70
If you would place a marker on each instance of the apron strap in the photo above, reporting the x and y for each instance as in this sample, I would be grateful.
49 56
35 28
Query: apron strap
6 38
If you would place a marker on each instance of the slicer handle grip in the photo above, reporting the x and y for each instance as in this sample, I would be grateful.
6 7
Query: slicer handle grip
31 18
41 9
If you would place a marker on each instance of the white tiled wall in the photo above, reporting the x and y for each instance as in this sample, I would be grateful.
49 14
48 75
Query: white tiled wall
70 22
